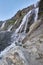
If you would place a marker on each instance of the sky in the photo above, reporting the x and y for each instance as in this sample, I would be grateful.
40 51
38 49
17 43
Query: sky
8 8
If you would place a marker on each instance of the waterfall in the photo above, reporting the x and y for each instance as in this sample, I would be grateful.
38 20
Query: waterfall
24 21
7 49
3 25
36 14
23 25
36 11
27 16
15 39
9 28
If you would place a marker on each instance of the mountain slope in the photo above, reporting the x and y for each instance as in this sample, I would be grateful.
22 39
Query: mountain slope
26 48
17 17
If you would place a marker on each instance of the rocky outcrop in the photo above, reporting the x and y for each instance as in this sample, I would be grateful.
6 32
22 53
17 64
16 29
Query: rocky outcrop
41 8
5 40
1 23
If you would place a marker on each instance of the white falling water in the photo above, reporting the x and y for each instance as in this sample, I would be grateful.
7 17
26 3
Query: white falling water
29 14
26 19
9 29
36 11
20 37
7 49
23 22
16 22
3 25
36 14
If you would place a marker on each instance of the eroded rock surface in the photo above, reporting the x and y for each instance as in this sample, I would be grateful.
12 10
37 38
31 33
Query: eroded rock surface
29 53
26 52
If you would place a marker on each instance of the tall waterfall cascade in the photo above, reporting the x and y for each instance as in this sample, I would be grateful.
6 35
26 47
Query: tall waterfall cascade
3 25
9 28
25 20
23 26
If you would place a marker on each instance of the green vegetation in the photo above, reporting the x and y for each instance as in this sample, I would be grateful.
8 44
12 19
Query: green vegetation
11 22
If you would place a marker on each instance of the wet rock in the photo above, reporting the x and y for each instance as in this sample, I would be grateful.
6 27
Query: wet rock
14 56
5 38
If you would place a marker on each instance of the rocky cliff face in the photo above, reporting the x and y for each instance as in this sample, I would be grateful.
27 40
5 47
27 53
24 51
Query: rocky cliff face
5 39
26 48
41 8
